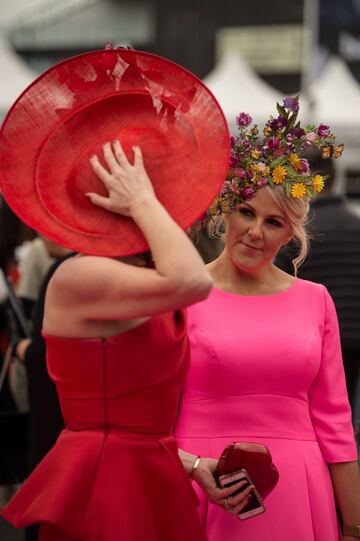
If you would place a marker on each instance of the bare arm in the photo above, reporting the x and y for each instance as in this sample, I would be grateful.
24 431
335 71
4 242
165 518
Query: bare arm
346 482
104 288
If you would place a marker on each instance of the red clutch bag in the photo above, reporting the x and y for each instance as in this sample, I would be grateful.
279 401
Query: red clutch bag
256 459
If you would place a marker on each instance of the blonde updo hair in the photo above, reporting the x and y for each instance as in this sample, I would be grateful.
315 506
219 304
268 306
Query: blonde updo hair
295 210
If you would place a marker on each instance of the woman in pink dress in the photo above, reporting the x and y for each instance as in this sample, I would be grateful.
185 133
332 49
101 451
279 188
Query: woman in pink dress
266 360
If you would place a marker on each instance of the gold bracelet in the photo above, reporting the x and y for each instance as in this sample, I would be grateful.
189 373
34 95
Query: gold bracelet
195 466
351 530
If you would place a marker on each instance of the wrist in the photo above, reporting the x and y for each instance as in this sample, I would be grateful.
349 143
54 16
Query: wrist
195 467
143 202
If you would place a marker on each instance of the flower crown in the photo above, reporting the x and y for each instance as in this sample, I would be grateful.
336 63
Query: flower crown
275 159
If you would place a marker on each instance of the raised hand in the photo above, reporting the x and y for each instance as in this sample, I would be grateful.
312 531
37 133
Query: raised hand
127 184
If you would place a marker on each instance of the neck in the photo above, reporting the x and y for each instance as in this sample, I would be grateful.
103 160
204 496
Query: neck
228 276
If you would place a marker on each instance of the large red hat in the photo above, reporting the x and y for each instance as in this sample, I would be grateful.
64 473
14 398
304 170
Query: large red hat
66 115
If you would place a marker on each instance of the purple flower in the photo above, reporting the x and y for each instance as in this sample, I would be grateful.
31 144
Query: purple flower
234 158
278 123
249 174
298 132
305 168
247 192
323 130
232 140
274 143
292 104
243 119
246 144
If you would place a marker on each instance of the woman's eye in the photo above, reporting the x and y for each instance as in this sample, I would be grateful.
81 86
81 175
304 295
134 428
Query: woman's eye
274 222
246 212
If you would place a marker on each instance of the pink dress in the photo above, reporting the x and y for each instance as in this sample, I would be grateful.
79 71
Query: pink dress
268 369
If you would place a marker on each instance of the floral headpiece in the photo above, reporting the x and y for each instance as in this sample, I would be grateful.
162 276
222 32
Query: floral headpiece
275 158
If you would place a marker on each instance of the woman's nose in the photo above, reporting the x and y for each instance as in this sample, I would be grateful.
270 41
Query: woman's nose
255 231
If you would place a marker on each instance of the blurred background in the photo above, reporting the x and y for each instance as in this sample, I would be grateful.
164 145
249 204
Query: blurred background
249 53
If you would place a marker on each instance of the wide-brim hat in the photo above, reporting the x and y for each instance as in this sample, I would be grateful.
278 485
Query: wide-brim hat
67 114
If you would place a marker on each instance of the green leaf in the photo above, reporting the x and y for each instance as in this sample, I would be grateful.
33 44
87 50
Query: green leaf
281 110
279 161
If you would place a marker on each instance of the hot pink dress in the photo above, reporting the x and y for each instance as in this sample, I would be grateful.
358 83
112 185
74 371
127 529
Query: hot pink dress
114 473
268 369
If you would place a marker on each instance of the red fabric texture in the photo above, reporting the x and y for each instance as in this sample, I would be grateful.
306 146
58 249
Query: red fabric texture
114 472
73 108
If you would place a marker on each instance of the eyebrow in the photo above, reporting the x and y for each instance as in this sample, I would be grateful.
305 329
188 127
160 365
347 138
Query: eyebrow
277 216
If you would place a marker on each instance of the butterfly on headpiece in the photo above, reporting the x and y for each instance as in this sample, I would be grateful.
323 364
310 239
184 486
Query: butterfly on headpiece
331 151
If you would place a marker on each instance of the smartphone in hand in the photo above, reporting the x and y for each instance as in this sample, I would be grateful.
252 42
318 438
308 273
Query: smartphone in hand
255 505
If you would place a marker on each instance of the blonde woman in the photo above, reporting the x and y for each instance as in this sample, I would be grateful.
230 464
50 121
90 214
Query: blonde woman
266 359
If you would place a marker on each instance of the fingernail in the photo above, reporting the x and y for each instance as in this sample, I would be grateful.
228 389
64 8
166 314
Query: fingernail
93 157
115 141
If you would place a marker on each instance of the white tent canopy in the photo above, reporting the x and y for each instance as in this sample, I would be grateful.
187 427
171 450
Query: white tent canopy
239 89
336 96
16 76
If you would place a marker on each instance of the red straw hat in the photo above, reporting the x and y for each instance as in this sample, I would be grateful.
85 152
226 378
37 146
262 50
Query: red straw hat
77 105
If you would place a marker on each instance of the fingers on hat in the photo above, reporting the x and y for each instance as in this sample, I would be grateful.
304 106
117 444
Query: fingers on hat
99 200
120 154
110 159
100 171
138 157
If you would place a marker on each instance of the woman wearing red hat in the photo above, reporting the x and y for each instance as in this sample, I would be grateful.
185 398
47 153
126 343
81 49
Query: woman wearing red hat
118 353
115 330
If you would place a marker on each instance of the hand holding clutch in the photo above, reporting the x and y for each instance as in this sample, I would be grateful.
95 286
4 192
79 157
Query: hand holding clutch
253 457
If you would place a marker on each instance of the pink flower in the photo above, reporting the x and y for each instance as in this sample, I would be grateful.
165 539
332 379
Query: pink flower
232 140
239 172
323 130
274 143
235 189
262 182
311 136
305 168
247 192
243 119
234 158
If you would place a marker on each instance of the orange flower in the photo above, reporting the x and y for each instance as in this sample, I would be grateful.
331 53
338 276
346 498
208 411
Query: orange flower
256 154
295 162
298 190
318 183
279 174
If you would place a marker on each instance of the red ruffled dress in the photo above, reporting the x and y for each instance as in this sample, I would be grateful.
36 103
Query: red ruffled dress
114 473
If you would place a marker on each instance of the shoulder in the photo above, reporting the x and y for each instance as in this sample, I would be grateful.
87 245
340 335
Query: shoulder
311 287
316 295
86 272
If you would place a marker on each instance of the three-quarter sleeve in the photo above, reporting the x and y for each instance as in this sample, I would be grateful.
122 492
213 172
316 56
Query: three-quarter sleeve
328 401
